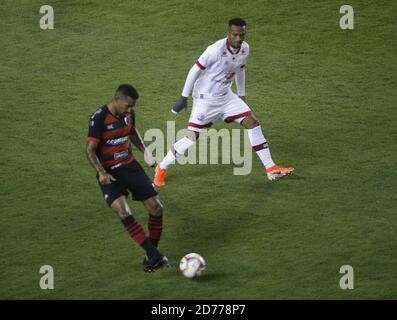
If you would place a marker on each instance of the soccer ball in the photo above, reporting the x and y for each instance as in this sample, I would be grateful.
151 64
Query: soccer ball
192 265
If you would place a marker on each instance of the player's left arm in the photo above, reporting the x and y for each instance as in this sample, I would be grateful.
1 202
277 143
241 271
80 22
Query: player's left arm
240 76
137 140
240 83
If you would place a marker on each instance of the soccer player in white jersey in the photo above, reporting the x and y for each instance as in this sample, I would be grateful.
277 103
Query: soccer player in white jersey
211 78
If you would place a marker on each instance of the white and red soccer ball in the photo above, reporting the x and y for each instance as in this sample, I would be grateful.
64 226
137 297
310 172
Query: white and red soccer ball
192 265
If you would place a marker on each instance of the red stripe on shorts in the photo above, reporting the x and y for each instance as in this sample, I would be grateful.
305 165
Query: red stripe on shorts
199 126
238 116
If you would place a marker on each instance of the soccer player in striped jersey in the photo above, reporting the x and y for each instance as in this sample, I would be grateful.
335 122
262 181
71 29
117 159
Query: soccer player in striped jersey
111 128
211 78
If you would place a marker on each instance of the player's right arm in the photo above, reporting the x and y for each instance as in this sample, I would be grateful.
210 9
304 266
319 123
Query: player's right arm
103 176
191 78
94 137
205 60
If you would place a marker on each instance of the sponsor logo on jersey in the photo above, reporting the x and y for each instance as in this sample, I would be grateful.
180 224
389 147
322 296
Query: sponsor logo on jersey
115 142
110 126
122 154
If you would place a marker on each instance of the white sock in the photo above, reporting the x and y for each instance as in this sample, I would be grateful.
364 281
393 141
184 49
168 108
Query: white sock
177 150
259 144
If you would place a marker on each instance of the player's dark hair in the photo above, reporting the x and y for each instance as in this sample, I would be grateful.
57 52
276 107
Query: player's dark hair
237 22
127 90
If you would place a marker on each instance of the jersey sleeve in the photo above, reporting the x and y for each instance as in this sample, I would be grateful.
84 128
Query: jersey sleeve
208 57
191 78
95 127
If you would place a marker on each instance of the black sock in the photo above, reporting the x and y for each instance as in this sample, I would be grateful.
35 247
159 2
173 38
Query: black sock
155 242
150 249
127 221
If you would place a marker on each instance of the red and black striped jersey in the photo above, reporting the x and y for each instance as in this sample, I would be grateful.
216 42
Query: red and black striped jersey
113 136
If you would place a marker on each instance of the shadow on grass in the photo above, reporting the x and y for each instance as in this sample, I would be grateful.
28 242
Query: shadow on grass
213 276
294 177
275 183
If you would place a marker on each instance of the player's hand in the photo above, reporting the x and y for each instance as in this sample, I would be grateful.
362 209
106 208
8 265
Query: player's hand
151 162
105 178
179 105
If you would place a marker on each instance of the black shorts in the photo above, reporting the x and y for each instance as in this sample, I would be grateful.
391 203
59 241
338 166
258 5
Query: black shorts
130 177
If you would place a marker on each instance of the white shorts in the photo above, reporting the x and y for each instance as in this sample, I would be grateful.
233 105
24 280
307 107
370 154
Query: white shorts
207 109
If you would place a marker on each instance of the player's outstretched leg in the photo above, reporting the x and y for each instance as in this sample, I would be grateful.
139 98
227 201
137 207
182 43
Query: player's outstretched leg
156 259
261 147
178 149
155 222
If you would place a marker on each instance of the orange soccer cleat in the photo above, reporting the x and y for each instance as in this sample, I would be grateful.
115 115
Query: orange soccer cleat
159 177
277 172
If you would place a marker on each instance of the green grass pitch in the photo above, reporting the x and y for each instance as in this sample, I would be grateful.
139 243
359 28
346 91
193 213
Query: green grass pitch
326 99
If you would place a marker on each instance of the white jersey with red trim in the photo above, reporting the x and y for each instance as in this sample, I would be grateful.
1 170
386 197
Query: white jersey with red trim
220 63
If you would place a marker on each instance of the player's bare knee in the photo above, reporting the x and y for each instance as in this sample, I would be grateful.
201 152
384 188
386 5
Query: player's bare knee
250 122
157 210
255 123
192 135
123 214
